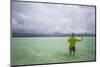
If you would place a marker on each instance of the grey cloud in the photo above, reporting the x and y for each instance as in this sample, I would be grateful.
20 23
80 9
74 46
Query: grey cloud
39 18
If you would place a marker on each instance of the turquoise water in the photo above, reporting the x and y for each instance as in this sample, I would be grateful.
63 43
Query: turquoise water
41 50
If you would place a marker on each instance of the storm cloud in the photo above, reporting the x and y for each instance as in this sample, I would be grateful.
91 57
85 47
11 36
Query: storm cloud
43 18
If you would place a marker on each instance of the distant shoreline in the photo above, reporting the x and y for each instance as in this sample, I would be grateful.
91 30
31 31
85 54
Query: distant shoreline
58 36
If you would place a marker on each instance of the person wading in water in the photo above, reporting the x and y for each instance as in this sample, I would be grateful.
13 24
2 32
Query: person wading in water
72 42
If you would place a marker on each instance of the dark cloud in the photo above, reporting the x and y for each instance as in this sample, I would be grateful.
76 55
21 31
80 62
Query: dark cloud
40 18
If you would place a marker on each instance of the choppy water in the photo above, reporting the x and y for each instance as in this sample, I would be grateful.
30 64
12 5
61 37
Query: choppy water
41 50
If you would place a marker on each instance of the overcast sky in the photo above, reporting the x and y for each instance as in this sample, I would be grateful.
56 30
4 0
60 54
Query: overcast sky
42 18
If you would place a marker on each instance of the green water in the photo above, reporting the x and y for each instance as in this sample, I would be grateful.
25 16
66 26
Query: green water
41 50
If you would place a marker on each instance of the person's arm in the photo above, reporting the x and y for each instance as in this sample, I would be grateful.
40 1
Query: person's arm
69 40
80 39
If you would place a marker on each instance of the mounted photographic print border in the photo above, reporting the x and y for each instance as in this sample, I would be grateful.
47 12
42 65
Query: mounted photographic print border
29 29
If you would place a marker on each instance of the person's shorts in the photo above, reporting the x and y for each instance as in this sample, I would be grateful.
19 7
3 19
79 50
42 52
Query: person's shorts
72 48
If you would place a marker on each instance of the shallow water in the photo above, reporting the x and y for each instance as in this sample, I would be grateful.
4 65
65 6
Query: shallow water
41 50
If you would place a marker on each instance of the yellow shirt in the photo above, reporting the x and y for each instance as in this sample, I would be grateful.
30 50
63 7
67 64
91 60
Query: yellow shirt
72 41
